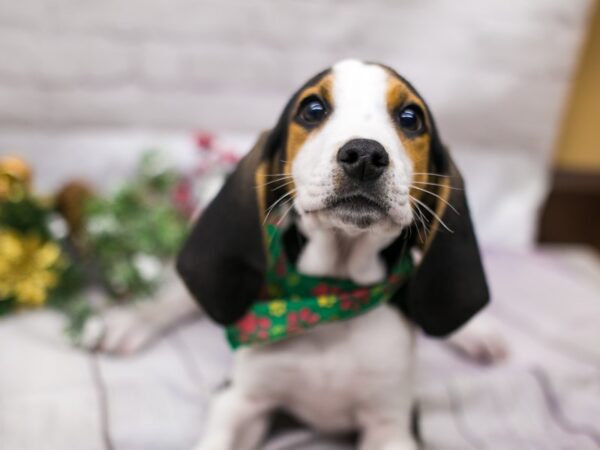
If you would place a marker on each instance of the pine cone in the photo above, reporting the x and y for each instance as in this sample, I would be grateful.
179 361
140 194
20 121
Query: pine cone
70 203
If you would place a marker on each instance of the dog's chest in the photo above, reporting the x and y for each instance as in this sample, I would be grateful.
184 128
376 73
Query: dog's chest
324 375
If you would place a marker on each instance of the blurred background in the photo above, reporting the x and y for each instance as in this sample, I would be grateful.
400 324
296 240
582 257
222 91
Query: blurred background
86 87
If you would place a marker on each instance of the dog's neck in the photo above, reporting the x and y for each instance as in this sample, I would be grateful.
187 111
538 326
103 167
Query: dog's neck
348 254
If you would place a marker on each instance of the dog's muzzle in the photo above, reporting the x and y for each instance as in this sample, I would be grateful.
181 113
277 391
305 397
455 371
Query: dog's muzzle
363 160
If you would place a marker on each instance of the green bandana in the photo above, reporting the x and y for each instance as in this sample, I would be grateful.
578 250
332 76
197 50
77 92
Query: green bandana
294 302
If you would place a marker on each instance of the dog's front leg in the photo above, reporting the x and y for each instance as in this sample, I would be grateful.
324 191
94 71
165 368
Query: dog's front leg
385 420
388 429
387 435
236 422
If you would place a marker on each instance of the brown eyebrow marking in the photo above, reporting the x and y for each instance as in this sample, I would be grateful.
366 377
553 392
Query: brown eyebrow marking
322 89
397 94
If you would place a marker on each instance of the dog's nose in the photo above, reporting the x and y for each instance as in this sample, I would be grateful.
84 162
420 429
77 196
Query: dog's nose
363 159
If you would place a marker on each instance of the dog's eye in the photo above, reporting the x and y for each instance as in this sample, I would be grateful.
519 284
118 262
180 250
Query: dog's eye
410 119
312 111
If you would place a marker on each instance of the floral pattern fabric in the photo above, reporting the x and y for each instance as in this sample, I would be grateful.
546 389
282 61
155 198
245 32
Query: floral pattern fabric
293 303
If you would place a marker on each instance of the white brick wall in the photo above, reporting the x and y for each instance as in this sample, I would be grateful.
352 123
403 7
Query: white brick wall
100 77
230 64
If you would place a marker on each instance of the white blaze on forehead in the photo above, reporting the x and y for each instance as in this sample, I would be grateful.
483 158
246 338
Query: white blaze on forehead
360 102
355 81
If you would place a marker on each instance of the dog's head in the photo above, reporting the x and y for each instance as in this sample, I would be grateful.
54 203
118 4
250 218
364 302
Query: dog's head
355 149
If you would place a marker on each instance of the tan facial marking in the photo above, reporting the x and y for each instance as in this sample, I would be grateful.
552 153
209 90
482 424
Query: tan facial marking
398 95
261 180
297 134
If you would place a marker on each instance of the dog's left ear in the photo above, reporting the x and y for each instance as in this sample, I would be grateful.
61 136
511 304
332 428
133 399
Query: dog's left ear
449 285
222 262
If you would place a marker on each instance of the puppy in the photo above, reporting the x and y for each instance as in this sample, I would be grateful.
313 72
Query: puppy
355 180
357 154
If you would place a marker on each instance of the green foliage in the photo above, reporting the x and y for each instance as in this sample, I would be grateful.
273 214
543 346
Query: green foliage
27 215
126 240
7 306
131 232
78 311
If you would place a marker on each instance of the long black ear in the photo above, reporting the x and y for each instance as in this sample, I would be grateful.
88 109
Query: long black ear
223 260
449 285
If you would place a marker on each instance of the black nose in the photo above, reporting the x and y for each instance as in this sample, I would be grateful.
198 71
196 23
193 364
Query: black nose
363 159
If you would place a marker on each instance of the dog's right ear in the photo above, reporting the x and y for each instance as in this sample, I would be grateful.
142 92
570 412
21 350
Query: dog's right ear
222 262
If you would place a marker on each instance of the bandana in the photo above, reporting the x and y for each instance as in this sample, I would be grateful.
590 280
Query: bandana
294 303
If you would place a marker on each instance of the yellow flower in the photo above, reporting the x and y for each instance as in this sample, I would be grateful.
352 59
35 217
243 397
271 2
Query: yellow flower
277 308
15 178
27 267
326 301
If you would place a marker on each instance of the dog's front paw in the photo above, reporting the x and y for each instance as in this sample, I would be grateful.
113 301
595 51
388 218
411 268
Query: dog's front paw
381 442
407 445
214 444
121 331
480 341
209 447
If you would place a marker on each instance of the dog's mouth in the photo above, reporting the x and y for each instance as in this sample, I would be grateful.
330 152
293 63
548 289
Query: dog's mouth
357 209
356 201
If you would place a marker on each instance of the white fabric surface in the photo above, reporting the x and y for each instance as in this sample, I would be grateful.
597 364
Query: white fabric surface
546 396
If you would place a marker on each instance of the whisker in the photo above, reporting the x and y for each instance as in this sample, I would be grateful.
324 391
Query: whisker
433 174
286 213
289 177
419 221
437 196
425 227
283 185
270 210
427 183
271 182
424 218
426 224
423 221
432 213
272 207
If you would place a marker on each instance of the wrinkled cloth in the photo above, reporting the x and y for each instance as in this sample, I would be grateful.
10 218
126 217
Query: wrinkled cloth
546 396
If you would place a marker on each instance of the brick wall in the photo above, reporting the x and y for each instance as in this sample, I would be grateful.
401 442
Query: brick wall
231 64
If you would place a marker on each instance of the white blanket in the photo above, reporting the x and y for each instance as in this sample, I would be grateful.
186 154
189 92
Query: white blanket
546 396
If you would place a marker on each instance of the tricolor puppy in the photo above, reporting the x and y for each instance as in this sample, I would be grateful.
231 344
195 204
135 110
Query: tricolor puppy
307 257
